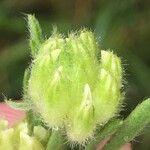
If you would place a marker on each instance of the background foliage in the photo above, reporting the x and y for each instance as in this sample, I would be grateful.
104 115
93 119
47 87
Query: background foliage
123 26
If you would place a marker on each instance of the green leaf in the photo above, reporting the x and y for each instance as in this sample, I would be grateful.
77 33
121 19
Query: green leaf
23 105
36 38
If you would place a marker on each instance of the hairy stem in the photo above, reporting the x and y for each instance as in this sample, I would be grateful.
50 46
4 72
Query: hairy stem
56 141
131 127
107 130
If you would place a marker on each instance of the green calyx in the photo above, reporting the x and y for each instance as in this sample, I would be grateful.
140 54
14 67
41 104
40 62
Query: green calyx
71 88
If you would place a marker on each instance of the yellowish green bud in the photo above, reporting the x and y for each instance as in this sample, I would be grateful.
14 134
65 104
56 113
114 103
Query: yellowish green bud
71 88
107 92
30 143
6 138
3 124
44 91
17 137
82 121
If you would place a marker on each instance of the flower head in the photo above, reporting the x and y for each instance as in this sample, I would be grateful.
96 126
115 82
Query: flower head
73 89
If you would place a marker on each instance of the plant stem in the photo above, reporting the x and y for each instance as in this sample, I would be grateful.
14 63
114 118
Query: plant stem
56 141
107 130
131 127
30 122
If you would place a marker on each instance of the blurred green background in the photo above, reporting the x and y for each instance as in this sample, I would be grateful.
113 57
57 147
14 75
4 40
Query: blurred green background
121 25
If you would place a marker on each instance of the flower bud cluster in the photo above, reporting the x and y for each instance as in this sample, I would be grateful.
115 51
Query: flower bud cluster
71 88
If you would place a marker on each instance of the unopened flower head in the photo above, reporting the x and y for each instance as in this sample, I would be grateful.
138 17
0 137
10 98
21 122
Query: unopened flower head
72 88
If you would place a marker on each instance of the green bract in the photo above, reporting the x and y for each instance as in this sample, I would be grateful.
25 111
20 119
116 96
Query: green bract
71 88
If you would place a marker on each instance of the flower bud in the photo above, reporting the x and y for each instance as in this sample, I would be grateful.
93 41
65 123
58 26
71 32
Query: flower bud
18 138
82 122
107 92
6 138
71 88
45 84
3 124
30 143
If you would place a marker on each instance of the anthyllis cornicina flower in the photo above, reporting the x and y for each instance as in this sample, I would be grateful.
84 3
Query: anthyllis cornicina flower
71 87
